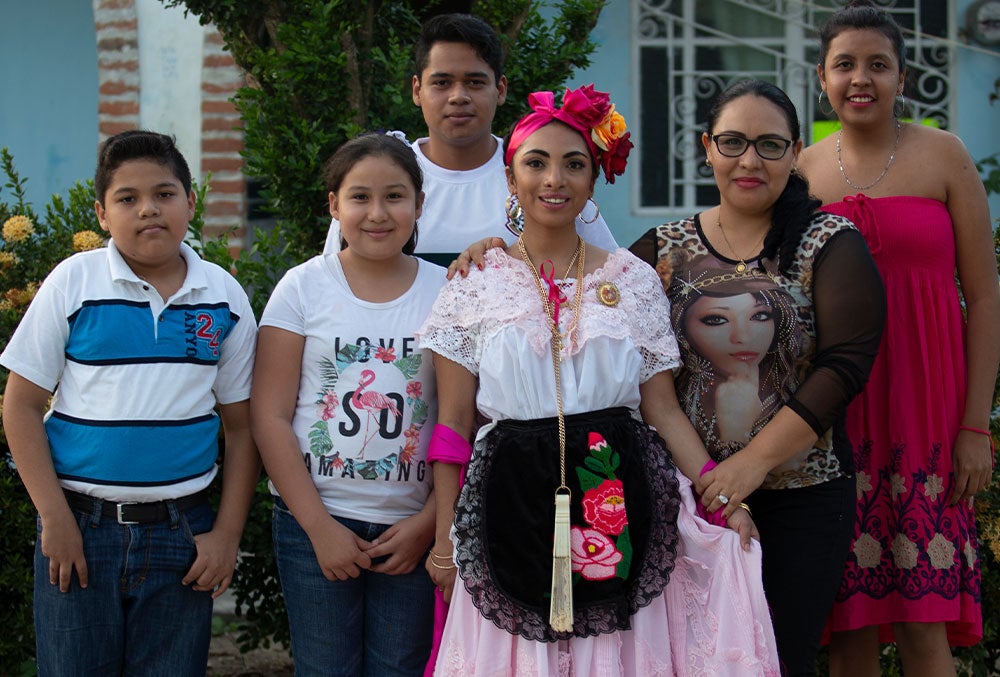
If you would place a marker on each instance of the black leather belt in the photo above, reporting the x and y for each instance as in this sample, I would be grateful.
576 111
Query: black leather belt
135 513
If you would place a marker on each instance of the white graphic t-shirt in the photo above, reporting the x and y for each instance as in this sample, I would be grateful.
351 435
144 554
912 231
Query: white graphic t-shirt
367 401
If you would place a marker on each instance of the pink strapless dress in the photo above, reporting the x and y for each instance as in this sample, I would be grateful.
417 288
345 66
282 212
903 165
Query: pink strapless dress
914 558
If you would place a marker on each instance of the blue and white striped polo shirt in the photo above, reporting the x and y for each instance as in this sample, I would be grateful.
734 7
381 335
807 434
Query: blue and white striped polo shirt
136 380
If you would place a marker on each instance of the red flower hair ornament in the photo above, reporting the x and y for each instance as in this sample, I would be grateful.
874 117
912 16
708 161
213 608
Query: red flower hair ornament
589 112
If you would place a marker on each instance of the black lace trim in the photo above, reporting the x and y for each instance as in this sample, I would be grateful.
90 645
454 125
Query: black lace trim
653 573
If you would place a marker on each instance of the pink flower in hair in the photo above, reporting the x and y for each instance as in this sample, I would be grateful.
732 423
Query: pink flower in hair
586 105
586 110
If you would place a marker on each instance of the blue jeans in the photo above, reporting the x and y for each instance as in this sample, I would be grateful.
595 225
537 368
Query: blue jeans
375 625
134 617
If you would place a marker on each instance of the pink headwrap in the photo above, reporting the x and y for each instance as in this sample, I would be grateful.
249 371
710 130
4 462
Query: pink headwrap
589 112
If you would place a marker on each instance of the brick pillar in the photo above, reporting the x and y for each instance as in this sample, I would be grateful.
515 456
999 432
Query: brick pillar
116 25
221 142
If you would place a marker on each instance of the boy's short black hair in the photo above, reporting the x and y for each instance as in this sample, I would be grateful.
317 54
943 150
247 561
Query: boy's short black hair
461 28
138 144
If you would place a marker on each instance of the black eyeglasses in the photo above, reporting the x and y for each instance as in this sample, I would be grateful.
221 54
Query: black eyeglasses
767 147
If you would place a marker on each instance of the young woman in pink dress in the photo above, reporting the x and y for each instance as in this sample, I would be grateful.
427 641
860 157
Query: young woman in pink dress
919 428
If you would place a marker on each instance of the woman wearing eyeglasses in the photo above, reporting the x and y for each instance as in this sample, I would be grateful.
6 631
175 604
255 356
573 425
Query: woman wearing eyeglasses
817 296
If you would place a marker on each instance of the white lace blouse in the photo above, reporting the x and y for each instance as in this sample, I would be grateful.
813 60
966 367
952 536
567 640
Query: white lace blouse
492 323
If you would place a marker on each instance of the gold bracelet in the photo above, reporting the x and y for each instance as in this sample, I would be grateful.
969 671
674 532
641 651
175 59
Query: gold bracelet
747 508
439 557
438 566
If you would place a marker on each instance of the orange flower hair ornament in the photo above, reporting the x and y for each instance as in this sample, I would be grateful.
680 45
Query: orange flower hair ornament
589 112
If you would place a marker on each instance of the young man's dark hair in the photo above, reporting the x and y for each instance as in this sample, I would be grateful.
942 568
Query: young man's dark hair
463 28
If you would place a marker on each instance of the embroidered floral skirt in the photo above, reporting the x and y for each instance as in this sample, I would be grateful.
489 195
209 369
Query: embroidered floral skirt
634 530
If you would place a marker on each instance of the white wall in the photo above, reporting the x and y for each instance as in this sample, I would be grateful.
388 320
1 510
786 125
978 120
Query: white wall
170 63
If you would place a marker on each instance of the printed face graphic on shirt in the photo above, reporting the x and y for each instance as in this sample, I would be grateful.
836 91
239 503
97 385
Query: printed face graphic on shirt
733 332
738 335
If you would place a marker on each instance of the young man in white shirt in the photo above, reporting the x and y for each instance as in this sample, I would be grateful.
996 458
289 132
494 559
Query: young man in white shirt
458 85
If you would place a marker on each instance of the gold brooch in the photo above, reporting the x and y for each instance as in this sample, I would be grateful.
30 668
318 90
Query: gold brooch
607 293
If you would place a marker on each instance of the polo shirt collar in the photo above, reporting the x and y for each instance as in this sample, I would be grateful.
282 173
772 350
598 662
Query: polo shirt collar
194 279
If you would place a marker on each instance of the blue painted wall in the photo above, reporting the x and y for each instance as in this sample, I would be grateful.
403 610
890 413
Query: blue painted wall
977 123
48 94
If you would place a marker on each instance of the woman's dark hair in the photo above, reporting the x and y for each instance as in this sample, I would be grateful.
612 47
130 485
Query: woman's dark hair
374 144
862 14
464 29
794 209
138 144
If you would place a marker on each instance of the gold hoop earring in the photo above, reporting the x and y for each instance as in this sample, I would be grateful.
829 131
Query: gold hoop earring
515 215
597 212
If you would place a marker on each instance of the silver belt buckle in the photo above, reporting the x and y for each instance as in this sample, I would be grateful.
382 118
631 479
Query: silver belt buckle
121 518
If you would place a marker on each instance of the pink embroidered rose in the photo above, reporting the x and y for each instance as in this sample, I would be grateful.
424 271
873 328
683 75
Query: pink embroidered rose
604 507
594 555
413 389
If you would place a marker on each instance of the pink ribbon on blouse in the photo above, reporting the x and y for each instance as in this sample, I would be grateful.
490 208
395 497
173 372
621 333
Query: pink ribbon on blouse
556 296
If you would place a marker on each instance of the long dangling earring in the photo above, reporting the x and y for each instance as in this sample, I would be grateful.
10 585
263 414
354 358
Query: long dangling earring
515 215
819 104
597 212
899 105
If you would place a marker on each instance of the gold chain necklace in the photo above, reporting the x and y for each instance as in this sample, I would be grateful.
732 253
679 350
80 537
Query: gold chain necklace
561 598
742 266
881 176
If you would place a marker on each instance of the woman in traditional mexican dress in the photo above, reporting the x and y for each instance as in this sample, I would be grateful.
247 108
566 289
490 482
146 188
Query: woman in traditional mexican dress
575 539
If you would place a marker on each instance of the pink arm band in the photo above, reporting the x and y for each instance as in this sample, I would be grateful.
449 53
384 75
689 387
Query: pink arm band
447 446
716 517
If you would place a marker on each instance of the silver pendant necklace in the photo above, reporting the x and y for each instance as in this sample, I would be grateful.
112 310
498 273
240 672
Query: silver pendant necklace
881 176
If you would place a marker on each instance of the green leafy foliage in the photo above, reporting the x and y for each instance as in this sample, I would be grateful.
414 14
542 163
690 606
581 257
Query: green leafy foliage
17 543
321 71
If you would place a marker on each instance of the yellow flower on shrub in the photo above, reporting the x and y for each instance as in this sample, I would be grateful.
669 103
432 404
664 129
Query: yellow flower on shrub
7 260
17 228
86 240
609 129
17 298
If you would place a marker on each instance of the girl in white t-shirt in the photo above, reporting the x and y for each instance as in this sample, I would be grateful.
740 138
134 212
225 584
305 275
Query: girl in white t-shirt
344 436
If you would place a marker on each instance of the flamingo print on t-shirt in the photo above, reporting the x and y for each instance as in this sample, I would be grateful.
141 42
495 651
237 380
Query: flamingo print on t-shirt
372 403
370 412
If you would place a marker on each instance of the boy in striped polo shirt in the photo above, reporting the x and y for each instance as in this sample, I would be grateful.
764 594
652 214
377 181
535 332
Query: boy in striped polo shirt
136 344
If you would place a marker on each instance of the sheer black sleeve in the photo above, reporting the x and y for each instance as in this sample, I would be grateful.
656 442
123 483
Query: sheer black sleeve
849 303
646 247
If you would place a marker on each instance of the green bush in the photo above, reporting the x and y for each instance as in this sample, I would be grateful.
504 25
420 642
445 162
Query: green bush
321 71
